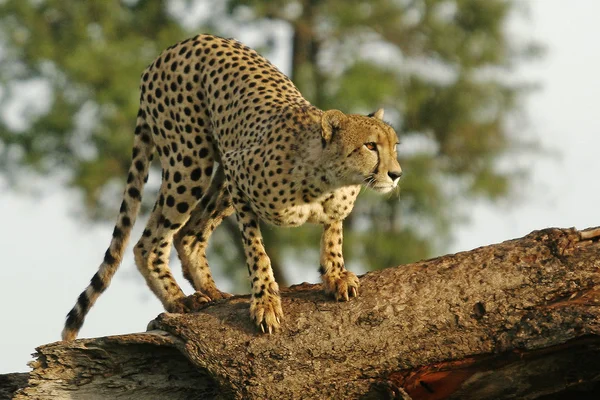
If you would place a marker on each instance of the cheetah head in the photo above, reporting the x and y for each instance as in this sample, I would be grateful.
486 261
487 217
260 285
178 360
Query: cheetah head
363 149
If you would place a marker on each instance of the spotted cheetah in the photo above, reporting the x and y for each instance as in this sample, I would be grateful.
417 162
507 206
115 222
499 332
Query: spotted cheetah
233 133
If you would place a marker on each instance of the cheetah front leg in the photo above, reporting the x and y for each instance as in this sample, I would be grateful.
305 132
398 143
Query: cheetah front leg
265 304
337 281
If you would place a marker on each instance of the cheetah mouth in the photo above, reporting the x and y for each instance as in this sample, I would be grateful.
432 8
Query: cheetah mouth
382 188
371 182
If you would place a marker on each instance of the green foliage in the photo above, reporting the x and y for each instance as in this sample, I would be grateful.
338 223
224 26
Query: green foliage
439 68
91 53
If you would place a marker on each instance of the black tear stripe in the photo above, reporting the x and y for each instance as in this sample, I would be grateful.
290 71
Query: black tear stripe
378 162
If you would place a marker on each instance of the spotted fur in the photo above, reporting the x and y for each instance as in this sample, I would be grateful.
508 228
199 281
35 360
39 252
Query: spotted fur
233 134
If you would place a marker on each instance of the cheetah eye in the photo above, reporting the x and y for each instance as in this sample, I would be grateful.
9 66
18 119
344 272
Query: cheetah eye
371 146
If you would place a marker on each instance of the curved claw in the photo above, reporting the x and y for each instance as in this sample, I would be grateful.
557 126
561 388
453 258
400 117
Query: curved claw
346 296
342 287
266 313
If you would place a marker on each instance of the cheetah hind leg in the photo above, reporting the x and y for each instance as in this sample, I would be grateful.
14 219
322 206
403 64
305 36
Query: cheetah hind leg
152 252
191 241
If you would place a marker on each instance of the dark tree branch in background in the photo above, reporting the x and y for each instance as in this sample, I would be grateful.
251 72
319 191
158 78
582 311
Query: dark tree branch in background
519 319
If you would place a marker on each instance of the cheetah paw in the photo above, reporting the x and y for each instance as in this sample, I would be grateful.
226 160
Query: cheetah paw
215 294
188 304
342 286
266 312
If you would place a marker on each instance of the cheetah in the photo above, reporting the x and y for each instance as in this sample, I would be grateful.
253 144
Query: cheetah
233 134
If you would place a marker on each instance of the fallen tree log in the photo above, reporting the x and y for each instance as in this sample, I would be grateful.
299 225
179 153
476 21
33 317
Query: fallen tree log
519 319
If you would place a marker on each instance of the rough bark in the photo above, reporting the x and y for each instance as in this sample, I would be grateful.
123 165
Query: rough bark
519 319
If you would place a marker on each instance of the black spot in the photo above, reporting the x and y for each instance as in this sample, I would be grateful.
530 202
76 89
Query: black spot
97 283
126 221
117 233
139 165
83 301
134 193
203 152
196 174
108 258
170 201
182 207
177 177
168 124
187 161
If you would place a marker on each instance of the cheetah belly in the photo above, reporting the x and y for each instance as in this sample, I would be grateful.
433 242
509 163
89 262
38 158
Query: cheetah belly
331 207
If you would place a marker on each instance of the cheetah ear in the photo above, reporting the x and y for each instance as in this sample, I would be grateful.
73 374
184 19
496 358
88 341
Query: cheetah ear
377 114
331 122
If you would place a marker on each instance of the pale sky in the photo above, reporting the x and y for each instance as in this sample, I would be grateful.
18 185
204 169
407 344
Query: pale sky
49 255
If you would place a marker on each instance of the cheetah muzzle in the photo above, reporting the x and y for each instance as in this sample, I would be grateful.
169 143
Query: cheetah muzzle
233 134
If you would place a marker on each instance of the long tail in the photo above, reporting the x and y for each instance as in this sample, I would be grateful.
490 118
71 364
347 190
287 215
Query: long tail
143 149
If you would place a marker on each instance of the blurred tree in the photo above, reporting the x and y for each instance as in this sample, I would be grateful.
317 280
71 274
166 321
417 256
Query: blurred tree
89 55
438 67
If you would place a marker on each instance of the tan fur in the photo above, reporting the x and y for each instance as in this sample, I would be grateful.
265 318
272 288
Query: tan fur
233 134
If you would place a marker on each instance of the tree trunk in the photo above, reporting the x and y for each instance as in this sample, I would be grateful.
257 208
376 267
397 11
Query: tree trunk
520 319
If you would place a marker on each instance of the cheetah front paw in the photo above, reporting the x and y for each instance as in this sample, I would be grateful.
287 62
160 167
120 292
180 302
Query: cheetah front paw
266 311
342 285
188 304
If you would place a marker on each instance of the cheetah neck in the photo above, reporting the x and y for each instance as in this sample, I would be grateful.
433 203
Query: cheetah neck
312 166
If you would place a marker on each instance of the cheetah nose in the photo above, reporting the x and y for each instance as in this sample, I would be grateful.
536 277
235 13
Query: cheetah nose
394 174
